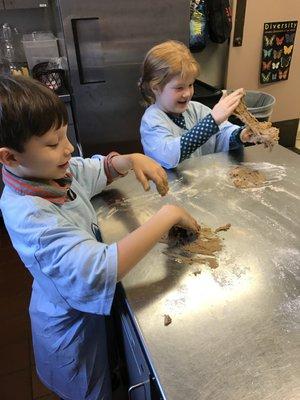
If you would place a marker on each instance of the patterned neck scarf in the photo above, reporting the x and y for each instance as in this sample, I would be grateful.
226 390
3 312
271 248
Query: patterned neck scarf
55 190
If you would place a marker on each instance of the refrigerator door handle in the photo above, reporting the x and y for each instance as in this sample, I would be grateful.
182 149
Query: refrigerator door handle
89 50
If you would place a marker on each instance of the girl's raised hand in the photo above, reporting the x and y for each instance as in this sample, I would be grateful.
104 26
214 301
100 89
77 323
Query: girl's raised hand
226 105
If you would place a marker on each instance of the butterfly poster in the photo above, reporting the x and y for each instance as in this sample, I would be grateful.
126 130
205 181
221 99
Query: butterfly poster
277 50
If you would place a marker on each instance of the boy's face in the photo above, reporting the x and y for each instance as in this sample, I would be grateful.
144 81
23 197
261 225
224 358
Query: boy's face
176 94
45 157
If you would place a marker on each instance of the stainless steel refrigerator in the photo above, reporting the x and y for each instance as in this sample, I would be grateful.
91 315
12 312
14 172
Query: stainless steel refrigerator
105 42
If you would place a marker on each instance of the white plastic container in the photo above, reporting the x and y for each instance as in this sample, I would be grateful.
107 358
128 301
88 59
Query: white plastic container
40 47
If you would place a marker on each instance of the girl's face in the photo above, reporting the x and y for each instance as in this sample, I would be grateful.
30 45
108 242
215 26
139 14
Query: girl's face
175 96
45 157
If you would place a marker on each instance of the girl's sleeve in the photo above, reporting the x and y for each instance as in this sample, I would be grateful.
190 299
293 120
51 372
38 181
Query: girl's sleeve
228 137
226 134
160 144
197 136
235 139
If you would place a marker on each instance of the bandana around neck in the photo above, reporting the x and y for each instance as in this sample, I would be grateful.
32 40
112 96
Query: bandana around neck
53 190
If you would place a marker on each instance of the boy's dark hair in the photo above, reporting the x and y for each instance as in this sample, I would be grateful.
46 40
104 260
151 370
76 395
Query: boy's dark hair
27 108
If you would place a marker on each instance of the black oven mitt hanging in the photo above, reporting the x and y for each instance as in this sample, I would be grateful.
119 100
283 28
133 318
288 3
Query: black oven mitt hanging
219 20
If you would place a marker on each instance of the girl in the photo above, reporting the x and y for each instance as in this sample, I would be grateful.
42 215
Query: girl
173 127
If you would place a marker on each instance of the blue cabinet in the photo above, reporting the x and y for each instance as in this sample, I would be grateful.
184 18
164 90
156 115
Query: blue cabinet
141 381
138 371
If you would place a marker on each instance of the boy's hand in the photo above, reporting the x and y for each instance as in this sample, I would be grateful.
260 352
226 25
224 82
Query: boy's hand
146 169
188 222
183 218
133 247
226 105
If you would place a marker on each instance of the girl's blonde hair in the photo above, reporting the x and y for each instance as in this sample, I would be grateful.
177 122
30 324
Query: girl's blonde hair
162 63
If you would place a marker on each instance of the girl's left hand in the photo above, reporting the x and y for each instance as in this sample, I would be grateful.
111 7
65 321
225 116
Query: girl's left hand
247 136
146 169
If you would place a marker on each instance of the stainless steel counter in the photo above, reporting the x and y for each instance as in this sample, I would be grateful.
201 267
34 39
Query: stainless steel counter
234 330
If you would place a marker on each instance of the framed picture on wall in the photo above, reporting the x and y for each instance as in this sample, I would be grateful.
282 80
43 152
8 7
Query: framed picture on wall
277 51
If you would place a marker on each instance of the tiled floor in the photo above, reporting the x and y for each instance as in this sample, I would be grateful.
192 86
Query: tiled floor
18 380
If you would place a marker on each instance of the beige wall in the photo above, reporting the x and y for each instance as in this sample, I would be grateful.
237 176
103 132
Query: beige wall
244 62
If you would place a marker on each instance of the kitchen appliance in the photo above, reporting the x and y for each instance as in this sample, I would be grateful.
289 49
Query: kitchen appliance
40 47
106 42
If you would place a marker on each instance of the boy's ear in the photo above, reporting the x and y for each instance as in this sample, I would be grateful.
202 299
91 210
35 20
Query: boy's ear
8 157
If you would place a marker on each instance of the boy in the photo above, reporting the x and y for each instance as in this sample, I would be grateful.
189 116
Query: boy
47 212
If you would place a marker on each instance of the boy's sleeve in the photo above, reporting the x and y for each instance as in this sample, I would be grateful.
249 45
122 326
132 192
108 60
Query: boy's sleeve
83 270
160 144
90 173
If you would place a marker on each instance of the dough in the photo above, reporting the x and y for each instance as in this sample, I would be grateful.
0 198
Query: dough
178 236
188 250
207 243
223 228
264 132
162 189
244 177
167 320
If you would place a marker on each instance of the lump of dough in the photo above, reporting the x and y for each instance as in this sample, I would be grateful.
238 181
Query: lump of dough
244 177
263 132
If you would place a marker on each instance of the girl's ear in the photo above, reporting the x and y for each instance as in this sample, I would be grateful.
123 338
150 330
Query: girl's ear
155 88
8 157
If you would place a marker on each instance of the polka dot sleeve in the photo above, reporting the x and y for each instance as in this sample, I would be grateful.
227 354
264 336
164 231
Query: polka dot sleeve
197 136
235 139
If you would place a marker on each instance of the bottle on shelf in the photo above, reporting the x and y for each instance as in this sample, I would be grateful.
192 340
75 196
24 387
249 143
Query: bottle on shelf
12 53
